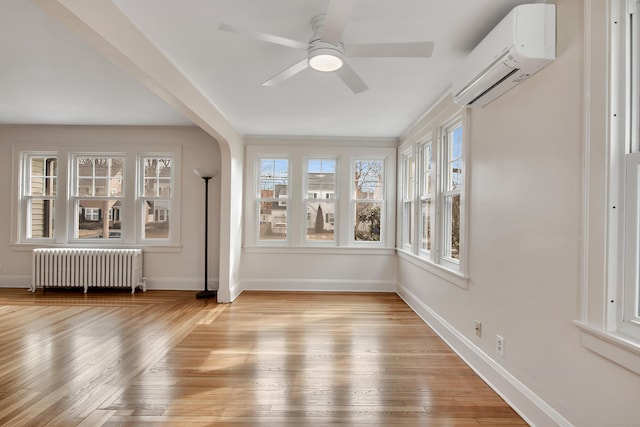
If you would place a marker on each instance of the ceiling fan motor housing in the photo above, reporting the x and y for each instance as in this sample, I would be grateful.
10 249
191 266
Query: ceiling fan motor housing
323 56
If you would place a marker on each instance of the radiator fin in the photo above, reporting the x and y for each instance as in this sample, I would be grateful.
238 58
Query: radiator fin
85 268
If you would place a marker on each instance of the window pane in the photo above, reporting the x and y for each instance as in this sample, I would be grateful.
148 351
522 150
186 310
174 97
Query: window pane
321 179
428 178
454 158
408 221
368 178
274 175
273 221
43 176
156 219
157 177
41 218
367 221
101 187
115 167
85 187
98 219
408 177
320 220
425 241
452 215
164 187
456 174
99 176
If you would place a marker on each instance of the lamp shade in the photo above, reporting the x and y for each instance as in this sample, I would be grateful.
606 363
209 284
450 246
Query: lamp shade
205 173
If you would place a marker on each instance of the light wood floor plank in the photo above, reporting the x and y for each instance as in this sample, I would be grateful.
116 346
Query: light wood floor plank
165 358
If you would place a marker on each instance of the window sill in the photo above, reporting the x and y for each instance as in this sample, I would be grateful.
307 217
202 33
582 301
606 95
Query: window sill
28 247
333 250
450 276
619 348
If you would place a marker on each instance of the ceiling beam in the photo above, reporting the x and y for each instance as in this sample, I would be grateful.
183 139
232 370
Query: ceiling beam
102 25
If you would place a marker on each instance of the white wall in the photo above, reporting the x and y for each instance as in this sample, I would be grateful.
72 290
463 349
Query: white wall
307 268
525 213
175 269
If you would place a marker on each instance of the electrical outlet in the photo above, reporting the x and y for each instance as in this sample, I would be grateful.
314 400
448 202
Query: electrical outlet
500 345
478 328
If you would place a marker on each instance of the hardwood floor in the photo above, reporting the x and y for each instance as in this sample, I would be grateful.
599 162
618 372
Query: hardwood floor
267 359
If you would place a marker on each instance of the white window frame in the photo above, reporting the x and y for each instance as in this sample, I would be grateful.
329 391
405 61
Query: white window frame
66 197
298 152
446 116
331 198
142 199
75 198
610 242
408 199
381 200
27 196
446 195
281 201
426 170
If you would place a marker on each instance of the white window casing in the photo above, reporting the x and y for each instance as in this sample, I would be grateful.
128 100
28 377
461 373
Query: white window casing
308 189
609 323
96 195
438 225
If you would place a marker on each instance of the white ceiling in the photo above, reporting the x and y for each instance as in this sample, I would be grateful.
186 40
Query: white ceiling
50 76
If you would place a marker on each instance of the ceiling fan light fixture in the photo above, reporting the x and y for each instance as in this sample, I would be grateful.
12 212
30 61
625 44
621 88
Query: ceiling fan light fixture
325 59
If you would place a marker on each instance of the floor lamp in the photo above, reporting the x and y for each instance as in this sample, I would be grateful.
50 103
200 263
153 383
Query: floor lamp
206 175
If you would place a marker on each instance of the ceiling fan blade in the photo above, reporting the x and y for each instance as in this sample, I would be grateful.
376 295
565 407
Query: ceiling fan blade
338 16
390 50
270 38
289 72
351 79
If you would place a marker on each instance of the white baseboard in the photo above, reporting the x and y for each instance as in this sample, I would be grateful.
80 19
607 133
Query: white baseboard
318 285
523 400
15 282
180 284
159 283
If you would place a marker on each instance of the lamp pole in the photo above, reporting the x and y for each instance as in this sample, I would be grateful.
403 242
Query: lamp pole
206 176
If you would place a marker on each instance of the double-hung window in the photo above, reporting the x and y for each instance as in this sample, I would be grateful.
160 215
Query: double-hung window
321 200
408 214
86 197
156 196
368 199
610 319
40 184
273 185
426 197
98 196
433 191
451 183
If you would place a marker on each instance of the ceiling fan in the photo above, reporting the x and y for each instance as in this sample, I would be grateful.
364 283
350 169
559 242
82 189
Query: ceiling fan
325 50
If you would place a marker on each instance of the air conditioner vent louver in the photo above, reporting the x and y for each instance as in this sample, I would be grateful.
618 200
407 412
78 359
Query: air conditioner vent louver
518 47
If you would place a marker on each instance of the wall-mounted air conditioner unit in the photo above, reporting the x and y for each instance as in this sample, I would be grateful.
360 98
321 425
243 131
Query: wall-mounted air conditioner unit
518 47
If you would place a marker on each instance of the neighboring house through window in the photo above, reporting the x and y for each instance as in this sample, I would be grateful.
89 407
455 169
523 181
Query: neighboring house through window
40 194
126 196
328 197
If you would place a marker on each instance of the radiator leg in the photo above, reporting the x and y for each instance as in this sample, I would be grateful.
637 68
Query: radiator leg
144 284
